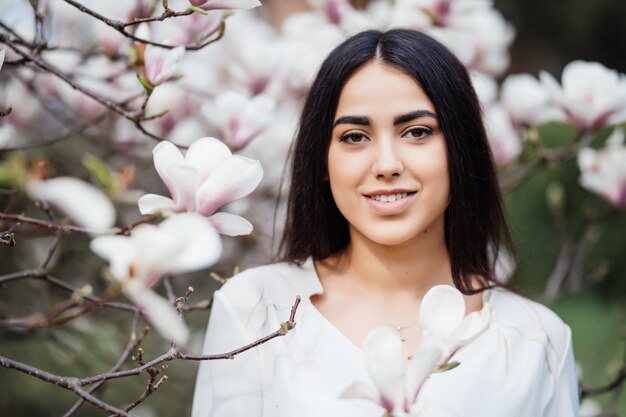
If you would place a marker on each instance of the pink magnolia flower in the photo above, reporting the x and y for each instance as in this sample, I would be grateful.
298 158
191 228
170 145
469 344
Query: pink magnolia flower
504 140
82 202
591 95
224 4
238 117
527 101
445 329
206 178
604 171
161 65
334 10
181 243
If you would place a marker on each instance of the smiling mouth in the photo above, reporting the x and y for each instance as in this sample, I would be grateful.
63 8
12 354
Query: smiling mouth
389 198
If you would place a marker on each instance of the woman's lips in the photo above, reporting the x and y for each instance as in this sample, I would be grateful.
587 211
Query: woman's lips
390 207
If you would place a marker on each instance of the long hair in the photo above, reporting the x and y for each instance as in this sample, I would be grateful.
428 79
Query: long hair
475 225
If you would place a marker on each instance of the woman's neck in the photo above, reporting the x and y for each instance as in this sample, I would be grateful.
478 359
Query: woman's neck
412 267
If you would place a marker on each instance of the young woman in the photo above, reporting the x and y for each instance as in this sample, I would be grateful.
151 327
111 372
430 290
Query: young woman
393 192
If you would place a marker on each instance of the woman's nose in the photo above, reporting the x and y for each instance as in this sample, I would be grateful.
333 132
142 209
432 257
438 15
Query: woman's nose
387 161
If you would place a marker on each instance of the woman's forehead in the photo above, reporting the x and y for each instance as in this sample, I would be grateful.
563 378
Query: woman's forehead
376 90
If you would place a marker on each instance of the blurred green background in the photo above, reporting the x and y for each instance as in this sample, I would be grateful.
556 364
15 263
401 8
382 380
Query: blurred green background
549 35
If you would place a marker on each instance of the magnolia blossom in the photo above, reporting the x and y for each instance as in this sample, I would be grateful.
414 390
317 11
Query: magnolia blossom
181 243
445 329
442 316
527 101
334 10
590 408
161 65
604 171
238 117
224 4
82 202
591 95
206 178
504 141
397 381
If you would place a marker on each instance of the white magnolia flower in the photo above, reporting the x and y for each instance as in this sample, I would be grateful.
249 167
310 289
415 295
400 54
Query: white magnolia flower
504 141
160 64
591 95
445 329
206 178
238 117
225 4
84 203
527 101
442 316
590 408
604 171
181 243
397 381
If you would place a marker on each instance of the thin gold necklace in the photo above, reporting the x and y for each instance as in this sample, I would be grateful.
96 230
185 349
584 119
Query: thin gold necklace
399 328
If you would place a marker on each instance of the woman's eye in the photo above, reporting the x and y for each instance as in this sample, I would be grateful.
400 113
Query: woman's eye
418 133
353 138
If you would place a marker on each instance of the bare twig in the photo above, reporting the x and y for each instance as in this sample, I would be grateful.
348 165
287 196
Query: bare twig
121 26
134 341
545 158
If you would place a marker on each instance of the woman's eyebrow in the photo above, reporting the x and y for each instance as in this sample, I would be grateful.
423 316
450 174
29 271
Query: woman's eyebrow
353 120
398 120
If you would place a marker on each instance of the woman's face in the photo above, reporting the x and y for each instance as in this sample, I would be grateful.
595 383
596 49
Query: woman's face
387 162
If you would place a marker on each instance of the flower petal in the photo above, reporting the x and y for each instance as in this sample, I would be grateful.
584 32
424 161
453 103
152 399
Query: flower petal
441 311
205 154
230 224
185 179
232 179
421 366
383 352
118 251
165 155
153 203
203 246
230 4
159 312
472 326
84 203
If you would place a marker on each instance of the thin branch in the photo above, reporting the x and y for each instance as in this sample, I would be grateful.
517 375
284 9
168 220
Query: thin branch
546 158
41 64
121 26
78 129
71 384
133 343
176 354
44 224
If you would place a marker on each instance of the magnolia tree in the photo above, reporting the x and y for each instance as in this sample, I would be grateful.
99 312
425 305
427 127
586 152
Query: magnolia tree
211 95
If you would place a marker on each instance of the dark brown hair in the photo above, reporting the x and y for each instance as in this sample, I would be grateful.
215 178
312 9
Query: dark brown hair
474 221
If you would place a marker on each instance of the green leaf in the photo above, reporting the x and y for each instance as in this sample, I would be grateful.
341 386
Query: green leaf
198 10
146 84
448 366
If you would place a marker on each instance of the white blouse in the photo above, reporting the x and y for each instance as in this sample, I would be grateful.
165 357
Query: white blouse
522 365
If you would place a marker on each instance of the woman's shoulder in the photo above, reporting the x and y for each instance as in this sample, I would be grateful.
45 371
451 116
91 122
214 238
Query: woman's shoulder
278 284
532 321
